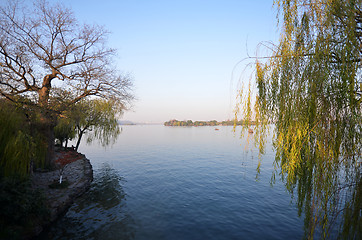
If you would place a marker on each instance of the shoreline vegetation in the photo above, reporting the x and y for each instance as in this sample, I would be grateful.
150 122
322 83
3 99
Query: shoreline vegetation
190 123
40 44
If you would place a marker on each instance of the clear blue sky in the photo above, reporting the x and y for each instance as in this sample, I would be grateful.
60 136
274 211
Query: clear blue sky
181 53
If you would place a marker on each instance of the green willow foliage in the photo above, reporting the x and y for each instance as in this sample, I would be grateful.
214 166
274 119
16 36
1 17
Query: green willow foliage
64 130
20 144
310 88
96 117
102 121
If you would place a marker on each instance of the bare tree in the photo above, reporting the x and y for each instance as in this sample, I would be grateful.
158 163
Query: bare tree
44 46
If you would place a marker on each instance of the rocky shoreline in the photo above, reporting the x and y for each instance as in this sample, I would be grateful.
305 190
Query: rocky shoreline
78 174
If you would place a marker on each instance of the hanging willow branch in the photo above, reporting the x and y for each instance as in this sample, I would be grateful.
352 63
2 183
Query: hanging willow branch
310 89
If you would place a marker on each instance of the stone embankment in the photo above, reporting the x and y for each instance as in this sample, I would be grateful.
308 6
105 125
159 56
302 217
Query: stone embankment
78 174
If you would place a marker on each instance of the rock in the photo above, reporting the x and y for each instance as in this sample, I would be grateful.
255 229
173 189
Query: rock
78 174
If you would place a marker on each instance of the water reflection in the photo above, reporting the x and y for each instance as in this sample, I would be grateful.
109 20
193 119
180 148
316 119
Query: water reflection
101 213
182 183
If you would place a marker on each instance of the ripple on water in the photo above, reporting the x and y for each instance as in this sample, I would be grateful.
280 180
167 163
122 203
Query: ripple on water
179 183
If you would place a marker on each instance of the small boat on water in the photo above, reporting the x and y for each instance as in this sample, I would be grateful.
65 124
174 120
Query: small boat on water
250 130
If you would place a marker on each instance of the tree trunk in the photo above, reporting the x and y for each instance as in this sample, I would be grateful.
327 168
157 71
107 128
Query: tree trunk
46 129
80 135
47 121
49 137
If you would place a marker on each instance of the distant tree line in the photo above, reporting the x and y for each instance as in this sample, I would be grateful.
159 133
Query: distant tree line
175 122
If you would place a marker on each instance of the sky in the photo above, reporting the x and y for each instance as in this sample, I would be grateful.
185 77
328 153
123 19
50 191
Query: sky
183 55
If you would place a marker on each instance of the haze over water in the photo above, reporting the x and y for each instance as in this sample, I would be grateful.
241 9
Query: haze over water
160 182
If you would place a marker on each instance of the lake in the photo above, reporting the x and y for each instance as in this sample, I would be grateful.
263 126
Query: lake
160 182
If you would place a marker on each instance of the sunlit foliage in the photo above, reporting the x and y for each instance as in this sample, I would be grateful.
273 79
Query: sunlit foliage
310 89
43 46
97 118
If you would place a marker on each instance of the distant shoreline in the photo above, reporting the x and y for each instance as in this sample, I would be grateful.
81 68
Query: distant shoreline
176 123
130 123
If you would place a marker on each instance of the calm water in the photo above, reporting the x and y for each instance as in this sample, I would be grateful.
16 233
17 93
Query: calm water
161 182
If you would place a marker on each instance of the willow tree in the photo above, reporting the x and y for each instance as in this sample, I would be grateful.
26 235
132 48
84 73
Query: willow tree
20 145
310 88
64 131
43 46
97 118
